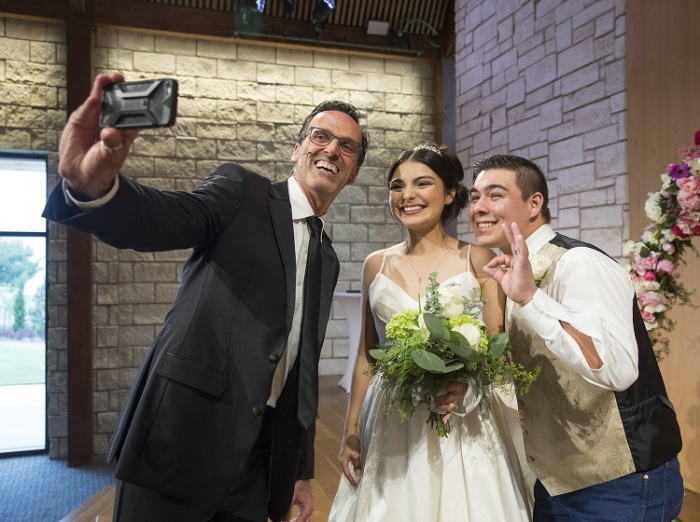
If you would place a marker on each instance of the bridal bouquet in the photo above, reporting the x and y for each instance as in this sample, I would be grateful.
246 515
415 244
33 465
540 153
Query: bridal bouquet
445 341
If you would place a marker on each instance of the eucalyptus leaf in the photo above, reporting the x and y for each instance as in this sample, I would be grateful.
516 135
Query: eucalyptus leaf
437 329
428 361
460 350
458 338
498 345
377 353
449 368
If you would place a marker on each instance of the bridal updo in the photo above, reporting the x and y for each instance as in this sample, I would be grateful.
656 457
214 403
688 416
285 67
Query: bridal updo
444 162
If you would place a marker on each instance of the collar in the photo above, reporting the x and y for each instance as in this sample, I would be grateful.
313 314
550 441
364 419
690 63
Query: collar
301 208
539 238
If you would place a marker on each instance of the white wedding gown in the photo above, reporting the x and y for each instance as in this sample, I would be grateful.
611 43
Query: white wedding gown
473 475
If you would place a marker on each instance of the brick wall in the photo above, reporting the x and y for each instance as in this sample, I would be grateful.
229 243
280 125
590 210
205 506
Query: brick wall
546 80
238 102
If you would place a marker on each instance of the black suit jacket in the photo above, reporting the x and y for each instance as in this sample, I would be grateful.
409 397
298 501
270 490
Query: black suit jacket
196 407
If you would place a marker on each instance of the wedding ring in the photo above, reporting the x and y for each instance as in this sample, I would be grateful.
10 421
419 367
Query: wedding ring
111 150
516 252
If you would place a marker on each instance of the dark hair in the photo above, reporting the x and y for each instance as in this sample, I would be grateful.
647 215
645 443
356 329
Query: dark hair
529 177
350 110
445 163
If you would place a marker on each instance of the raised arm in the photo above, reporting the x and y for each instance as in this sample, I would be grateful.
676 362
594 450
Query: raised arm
90 157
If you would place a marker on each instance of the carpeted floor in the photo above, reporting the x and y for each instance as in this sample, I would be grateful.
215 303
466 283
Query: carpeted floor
37 489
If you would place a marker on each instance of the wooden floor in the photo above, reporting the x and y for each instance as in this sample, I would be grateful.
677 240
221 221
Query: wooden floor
329 429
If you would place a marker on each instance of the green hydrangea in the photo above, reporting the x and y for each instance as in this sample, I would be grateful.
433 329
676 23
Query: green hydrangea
402 325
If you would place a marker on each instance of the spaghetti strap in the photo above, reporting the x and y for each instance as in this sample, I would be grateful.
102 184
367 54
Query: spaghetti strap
381 268
469 261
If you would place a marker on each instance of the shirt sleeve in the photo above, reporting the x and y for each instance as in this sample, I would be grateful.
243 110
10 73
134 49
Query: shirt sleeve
594 294
93 203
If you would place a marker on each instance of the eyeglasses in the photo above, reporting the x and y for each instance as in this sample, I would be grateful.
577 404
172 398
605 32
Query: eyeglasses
323 137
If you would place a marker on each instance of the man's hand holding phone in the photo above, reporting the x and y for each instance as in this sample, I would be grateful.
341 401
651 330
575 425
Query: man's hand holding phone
90 154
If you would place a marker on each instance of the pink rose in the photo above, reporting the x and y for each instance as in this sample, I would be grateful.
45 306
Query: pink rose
649 275
652 299
688 200
648 317
648 262
665 266
689 195
679 232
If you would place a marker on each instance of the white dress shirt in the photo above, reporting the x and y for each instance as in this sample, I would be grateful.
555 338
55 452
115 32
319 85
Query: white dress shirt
301 209
594 294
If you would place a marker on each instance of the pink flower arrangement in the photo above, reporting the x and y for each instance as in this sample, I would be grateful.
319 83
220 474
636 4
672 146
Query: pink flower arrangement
675 214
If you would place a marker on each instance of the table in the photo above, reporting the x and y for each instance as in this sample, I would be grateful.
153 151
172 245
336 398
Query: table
350 301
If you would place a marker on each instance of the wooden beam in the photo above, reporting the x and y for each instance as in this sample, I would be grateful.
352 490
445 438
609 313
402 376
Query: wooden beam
32 9
79 76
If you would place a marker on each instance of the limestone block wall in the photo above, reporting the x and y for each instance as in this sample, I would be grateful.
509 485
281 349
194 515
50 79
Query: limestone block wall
546 80
238 102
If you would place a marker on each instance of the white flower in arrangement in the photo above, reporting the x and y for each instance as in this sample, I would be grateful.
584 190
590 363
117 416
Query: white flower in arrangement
452 301
666 181
631 248
471 333
652 206
651 237
423 328
540 264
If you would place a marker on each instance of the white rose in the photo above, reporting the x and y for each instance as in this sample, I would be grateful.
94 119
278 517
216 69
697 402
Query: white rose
631 248
424 332
471 333
540 264
652 208
451 301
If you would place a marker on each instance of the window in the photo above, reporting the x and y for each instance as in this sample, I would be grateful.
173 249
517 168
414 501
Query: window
23 240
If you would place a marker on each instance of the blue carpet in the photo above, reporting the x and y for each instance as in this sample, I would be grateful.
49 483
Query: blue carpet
37 489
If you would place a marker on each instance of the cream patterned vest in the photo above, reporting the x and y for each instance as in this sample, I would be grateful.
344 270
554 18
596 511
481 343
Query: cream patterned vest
578 434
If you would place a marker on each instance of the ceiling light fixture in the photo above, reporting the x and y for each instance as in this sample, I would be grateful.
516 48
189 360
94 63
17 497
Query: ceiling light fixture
321 12
402 34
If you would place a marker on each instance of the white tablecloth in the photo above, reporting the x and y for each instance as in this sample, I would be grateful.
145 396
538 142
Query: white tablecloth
350 301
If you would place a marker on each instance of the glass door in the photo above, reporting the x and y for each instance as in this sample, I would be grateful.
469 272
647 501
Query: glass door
23 241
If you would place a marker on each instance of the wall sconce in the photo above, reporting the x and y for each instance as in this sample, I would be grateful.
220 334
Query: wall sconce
321 13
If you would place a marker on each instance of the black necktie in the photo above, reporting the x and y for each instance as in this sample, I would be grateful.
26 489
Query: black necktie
309 342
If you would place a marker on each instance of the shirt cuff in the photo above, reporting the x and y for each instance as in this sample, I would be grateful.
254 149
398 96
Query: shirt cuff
91 204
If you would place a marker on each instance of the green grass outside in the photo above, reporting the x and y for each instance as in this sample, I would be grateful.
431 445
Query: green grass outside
22 362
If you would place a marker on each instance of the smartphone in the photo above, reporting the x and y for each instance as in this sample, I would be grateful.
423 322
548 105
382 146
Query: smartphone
140 104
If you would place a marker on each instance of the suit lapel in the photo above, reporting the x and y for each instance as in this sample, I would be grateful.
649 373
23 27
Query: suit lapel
329 273
281 211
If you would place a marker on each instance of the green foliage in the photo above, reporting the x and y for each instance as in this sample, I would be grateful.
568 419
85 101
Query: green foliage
16 266
18 310
37 312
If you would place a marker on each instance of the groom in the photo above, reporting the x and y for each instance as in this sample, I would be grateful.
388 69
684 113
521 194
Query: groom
600 433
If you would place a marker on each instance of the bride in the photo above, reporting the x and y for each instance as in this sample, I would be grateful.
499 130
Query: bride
400 471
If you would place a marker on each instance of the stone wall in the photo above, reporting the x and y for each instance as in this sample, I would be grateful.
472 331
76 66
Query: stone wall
238 102
546 80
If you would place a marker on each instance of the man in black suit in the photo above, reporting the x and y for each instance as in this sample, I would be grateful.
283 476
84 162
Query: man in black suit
219 424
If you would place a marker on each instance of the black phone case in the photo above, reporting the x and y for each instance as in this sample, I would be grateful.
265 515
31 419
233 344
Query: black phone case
140 104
